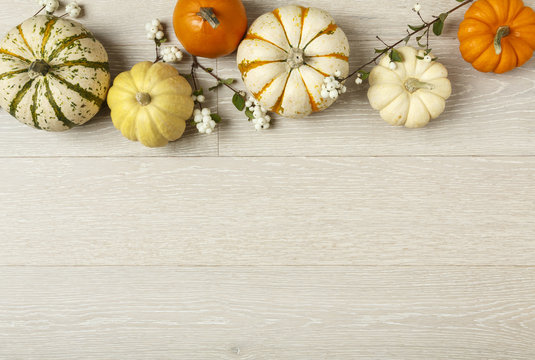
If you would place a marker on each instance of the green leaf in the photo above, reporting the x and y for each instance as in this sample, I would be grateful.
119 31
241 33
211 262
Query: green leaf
238 101
439 25
416 27
216 118
396 56
198 92
249 114
380 51
419 57
214 87
364 75
406 39
227 81
209 70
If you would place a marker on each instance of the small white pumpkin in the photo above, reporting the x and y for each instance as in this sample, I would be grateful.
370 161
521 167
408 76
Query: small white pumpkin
411 94
54 74
286 55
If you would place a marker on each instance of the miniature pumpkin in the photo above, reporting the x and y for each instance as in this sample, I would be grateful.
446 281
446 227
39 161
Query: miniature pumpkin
287 54
497 35
210 28
151 103
411 94
54 74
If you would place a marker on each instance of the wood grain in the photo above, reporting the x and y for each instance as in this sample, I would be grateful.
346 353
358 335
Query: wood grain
439 313
250 211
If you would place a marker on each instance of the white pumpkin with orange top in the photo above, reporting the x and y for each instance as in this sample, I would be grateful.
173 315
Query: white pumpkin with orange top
286 55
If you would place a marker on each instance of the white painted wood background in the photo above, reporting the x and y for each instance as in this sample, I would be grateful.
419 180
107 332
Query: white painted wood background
333 237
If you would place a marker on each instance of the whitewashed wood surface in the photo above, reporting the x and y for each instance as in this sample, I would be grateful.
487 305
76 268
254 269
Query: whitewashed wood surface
332 237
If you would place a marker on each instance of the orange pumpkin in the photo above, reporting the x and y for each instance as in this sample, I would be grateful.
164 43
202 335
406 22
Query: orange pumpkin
210 28
497 35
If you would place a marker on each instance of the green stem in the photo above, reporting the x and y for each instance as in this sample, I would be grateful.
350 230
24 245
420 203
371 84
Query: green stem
412 84
208 14
502 32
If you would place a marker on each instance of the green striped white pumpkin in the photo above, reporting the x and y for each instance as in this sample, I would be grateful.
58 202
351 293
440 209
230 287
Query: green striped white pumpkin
54 74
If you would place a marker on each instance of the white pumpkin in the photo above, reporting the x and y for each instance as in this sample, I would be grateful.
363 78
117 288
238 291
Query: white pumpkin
54 74
413 93
286 55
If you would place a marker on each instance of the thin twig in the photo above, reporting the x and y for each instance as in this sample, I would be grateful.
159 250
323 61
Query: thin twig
219 80
421 18
427 26
41 9
194 66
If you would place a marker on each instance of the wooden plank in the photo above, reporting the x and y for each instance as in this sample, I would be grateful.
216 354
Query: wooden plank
99 137
486 115
123 22
252 211
296 313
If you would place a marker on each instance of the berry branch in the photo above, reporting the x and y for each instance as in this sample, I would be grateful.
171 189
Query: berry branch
225 82
437 26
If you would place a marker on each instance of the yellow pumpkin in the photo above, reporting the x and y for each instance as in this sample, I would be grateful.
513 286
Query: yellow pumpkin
151 103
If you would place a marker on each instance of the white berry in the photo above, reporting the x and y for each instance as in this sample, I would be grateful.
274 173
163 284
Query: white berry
358 81
333 94
417 7
201 98
206 111
337 73
428 58
160 35
392 65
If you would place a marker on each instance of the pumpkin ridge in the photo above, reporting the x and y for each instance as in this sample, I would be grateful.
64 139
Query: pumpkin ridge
330 29
258 95
278 104
33 107
9 53
479 15
85 63
313 104
515 51
252 36
21 33
68 41
247 66
277 15
18 98
48 31
79 90
59 114
334 55
14 72
319 71
304 14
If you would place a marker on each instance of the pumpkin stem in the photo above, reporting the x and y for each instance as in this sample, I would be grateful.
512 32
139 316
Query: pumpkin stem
502 32
412 84
38 68
296 58
208 14
143 99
